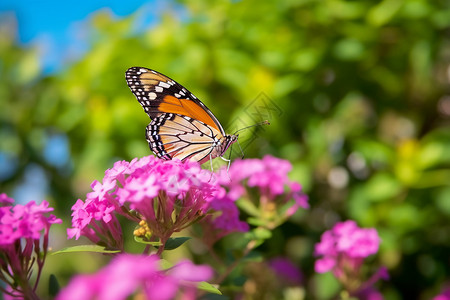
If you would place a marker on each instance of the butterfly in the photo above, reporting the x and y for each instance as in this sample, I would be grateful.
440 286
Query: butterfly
181 125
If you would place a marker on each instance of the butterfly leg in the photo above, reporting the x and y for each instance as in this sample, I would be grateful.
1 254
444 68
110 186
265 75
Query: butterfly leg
212 171
228 167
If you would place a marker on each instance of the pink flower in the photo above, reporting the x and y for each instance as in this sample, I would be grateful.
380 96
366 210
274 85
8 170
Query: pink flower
370 294
143 275
325 264
347 239
228 220
24 221
119 171
101 190
268 174
5 200
224 221
98 215
445 295
167 195
24 231
343 249
141 188
286 271
266 184
187 271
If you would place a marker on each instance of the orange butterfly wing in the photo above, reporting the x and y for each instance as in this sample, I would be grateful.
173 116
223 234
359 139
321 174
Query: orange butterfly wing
159 94
182 126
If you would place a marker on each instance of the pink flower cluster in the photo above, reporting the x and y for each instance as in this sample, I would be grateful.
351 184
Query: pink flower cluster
129 275
171 195
346 245
167 195
23 221
269 176
272 189
343 250
264 183
24 233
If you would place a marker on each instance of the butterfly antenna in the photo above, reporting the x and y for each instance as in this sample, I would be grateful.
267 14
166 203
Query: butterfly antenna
265 122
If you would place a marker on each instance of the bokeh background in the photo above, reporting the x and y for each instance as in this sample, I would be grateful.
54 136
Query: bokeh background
357 93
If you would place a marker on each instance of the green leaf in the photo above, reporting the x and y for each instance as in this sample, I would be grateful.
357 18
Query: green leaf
209 288
382 187
328 280
262 233
248 207
256 221
214 297
174 243
53 285
86 248
142 240
252 237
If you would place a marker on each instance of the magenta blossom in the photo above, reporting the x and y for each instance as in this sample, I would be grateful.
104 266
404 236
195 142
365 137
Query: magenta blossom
343 250
5 200
167 196
271 196
24 231
222 221
345 241
286 272
143 276
445 295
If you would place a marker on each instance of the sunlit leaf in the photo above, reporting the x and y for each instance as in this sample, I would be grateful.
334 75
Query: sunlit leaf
86 248
209 288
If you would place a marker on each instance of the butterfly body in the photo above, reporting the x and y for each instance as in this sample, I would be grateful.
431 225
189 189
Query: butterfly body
182 126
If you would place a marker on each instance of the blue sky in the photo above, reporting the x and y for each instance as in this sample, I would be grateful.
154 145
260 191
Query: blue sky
56 25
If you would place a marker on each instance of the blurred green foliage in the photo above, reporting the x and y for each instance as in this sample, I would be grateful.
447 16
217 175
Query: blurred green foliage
358 100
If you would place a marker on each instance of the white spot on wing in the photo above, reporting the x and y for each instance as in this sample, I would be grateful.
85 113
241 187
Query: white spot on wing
152 95
143 70
164 84
158 89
